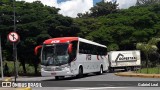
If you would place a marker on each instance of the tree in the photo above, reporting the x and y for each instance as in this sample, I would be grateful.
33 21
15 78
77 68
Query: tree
148 48
113 47
35 23
147 2
104 8
119 29
100 9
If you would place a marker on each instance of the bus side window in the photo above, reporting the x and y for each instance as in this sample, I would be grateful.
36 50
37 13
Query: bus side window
81 47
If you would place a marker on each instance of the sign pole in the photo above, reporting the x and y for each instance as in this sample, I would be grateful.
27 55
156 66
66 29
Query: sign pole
14 45
13 37
14 55
1 59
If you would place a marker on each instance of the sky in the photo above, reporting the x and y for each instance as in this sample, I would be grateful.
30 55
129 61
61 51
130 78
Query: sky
72 7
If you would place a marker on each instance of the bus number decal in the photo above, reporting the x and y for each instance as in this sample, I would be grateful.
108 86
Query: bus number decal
55 41
88 57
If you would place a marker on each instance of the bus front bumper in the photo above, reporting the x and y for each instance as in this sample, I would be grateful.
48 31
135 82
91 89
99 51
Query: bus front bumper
56 73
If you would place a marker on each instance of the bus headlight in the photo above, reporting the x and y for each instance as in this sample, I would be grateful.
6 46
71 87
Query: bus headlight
58 69
66 69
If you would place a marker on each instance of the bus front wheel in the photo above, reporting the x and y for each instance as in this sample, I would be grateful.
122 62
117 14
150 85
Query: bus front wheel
59 77
80 73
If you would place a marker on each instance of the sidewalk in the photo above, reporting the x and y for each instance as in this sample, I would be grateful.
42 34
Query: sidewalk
132 74
7 89
27 78
15 88
12 79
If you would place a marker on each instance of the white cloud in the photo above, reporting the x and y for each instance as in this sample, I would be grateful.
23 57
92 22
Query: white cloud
124 3
72 7
68 8
45 2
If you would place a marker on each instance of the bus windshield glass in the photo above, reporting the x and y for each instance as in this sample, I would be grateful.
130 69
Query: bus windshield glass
54 55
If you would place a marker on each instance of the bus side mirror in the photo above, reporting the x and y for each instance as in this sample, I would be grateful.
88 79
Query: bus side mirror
36 49
70 48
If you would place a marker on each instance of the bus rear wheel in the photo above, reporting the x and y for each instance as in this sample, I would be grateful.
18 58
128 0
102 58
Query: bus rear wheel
101 70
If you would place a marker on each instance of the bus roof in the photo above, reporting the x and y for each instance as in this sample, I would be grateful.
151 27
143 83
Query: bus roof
60 40
90 42
70 39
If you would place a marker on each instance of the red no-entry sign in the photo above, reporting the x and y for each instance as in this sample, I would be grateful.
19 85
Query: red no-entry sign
13 37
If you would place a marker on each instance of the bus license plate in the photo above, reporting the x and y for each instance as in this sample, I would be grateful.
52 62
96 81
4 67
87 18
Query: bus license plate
53 73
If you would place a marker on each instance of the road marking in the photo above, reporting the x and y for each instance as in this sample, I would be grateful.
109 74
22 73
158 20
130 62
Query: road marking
96 88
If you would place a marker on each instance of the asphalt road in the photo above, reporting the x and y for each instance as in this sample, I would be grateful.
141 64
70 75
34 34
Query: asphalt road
90 77
99 88
107 81
113 77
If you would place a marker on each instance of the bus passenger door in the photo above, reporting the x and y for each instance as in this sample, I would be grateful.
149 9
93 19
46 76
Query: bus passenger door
73 55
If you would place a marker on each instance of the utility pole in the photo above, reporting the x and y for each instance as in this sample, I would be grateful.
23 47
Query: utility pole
1 58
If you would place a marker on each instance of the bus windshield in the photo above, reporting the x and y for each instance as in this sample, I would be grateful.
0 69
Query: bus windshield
54 55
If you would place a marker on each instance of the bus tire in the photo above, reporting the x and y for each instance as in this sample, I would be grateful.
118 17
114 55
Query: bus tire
133 68
101 70
59 77
111 70
80 72
127 68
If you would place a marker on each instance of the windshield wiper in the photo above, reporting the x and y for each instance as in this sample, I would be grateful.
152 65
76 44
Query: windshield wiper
57 60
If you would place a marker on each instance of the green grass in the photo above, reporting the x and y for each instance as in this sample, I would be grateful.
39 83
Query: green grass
29 69
155 70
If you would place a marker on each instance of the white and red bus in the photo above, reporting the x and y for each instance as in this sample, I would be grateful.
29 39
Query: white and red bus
72 56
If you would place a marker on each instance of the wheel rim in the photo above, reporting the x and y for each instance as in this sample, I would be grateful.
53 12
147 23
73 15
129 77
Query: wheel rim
101 70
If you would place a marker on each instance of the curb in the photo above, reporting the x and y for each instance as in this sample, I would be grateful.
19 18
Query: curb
130 74
28 88
8 79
